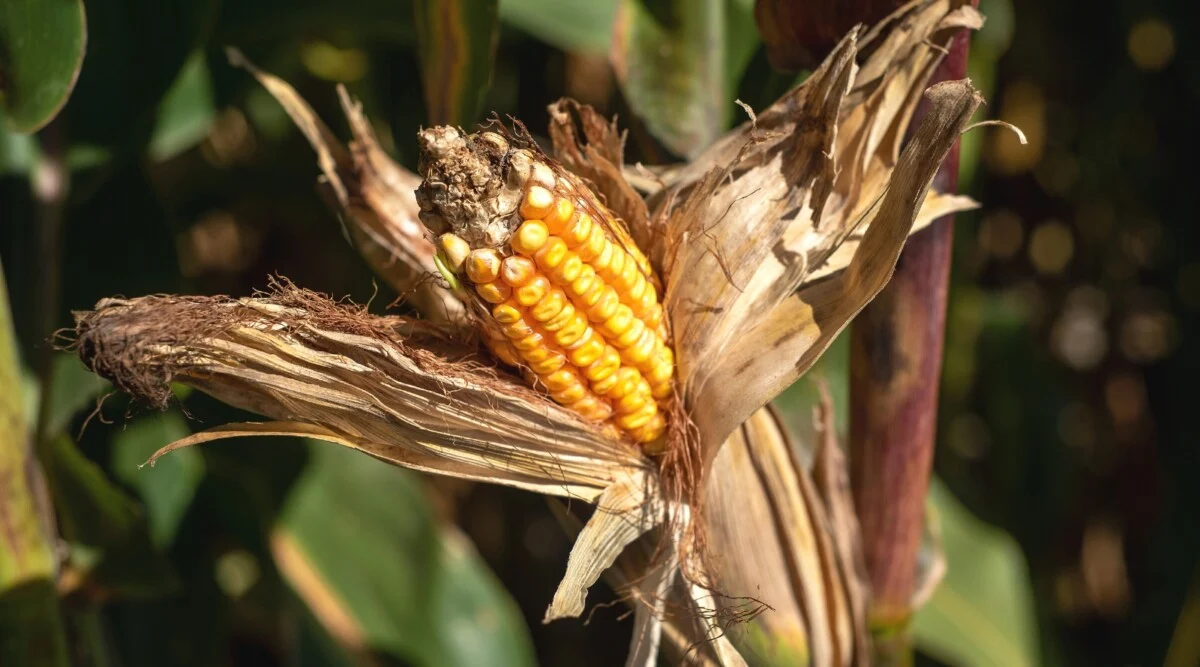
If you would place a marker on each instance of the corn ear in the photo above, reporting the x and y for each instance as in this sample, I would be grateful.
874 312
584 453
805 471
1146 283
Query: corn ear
561 290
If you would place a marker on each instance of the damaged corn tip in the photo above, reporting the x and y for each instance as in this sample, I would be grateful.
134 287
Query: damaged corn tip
574 307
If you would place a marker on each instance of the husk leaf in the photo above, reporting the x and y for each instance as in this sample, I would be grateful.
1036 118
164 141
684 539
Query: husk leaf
398 389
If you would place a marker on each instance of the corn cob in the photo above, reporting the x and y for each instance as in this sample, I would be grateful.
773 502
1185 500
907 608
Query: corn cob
563 292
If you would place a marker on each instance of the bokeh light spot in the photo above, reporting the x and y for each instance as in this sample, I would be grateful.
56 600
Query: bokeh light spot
1001 234
1151 45
1051 247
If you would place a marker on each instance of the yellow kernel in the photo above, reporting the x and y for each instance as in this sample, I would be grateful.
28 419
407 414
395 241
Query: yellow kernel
530 237
649 431
560 379
629 276
550 305
579 231
537 204
572 332
636 293
588 351
631 334
603 259
560 217
507 312
518 329
606 385
592 408
595 244
604 367
636 419
552 254
606 305
530 342
540 354
548 365
561 319
633 401
584 282
570 269
653 316
517 271
454 250
642 351
615 265
662 391
483 265
570 394
494 292
627 380
532 291
618 323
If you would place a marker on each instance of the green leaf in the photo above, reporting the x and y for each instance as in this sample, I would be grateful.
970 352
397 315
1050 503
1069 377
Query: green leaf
413 587
575 26
73 389
108 531
166 489
41 50
983 612
186 113
457 46
31 630
136 50
671 59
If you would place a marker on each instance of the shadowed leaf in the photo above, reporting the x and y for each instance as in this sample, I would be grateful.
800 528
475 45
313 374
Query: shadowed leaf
41 50
167 488
575 26
457 40
670 59
982 613
410 587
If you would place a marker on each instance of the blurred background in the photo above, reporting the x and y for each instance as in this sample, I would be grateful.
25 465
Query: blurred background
1064 455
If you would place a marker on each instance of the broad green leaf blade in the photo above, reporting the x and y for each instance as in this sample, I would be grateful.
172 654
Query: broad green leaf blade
982 613
457 45
670 59
575 26
186 112
360 544
168 488
30 628
41 51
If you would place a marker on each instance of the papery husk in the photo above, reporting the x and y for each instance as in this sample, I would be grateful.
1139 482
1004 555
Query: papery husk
786 192
779 553
398 389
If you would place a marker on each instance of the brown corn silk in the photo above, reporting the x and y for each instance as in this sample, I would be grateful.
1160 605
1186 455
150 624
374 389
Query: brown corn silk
766 247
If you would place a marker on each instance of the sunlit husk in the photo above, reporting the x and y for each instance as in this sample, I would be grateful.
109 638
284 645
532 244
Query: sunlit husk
764 212
394 388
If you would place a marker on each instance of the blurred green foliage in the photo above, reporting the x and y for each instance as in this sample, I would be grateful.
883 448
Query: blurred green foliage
185 177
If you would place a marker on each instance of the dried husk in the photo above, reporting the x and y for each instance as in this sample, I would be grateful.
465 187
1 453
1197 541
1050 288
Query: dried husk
817 167
398 389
